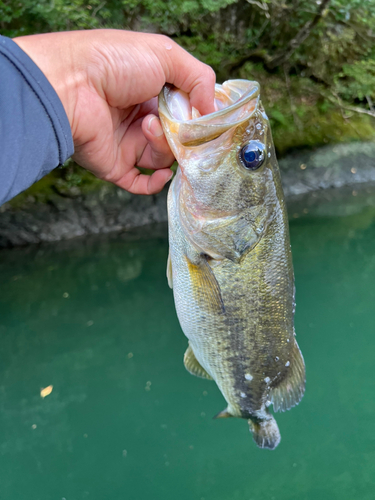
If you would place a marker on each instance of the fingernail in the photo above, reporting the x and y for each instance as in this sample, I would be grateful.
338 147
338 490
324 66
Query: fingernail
170 177
154 127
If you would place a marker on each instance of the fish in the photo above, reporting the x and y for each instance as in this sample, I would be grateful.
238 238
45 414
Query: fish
230 262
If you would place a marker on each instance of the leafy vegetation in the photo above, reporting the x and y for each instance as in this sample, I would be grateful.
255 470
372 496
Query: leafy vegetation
315 59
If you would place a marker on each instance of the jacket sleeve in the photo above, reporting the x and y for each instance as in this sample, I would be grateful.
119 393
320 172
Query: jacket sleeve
35 135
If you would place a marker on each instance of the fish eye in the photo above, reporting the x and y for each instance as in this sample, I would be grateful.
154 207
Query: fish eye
252 155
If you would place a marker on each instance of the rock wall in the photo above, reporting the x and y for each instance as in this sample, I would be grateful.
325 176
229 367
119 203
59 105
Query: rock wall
112 209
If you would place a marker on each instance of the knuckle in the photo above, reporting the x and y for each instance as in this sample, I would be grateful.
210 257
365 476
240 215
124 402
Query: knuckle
211 75
166 40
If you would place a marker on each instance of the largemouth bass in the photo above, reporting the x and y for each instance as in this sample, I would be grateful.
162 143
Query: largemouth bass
230 262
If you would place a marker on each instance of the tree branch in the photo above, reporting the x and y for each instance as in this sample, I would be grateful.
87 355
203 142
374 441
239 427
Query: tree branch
336 100
256 54
262 6
301 36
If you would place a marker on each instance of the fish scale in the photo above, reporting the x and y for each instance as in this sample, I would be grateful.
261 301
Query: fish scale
230 262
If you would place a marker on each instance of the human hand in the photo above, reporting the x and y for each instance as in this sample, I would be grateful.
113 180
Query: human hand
107 81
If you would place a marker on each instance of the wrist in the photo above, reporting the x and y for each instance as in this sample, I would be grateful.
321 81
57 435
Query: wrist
54 56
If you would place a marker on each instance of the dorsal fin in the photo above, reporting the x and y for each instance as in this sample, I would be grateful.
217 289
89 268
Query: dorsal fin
291 389
193 366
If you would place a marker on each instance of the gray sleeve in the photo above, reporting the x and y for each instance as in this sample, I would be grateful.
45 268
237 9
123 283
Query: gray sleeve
35 135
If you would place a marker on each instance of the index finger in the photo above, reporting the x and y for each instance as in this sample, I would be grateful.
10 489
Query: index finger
187 73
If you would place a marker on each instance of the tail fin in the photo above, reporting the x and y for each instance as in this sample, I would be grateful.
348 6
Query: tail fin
266 433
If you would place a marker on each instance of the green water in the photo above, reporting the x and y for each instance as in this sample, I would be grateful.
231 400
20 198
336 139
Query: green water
95 319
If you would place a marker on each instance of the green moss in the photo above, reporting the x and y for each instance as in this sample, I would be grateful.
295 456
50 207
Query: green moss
300 115
69 181
318 129
239 40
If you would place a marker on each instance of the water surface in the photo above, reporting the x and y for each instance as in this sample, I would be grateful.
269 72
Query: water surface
95 319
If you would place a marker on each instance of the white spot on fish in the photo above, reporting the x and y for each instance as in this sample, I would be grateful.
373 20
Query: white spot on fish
267 380
268 403
258 126
248 376
269 155
168 46
287 363
243 395
287 340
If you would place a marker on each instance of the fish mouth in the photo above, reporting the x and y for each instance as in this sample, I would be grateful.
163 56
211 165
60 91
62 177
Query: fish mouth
236 101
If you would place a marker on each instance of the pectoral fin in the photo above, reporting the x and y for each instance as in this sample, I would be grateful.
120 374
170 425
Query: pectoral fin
291 389
169 271
205 285
192 365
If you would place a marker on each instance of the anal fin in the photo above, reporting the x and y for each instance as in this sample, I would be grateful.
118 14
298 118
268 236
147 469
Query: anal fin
192 365
291 389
